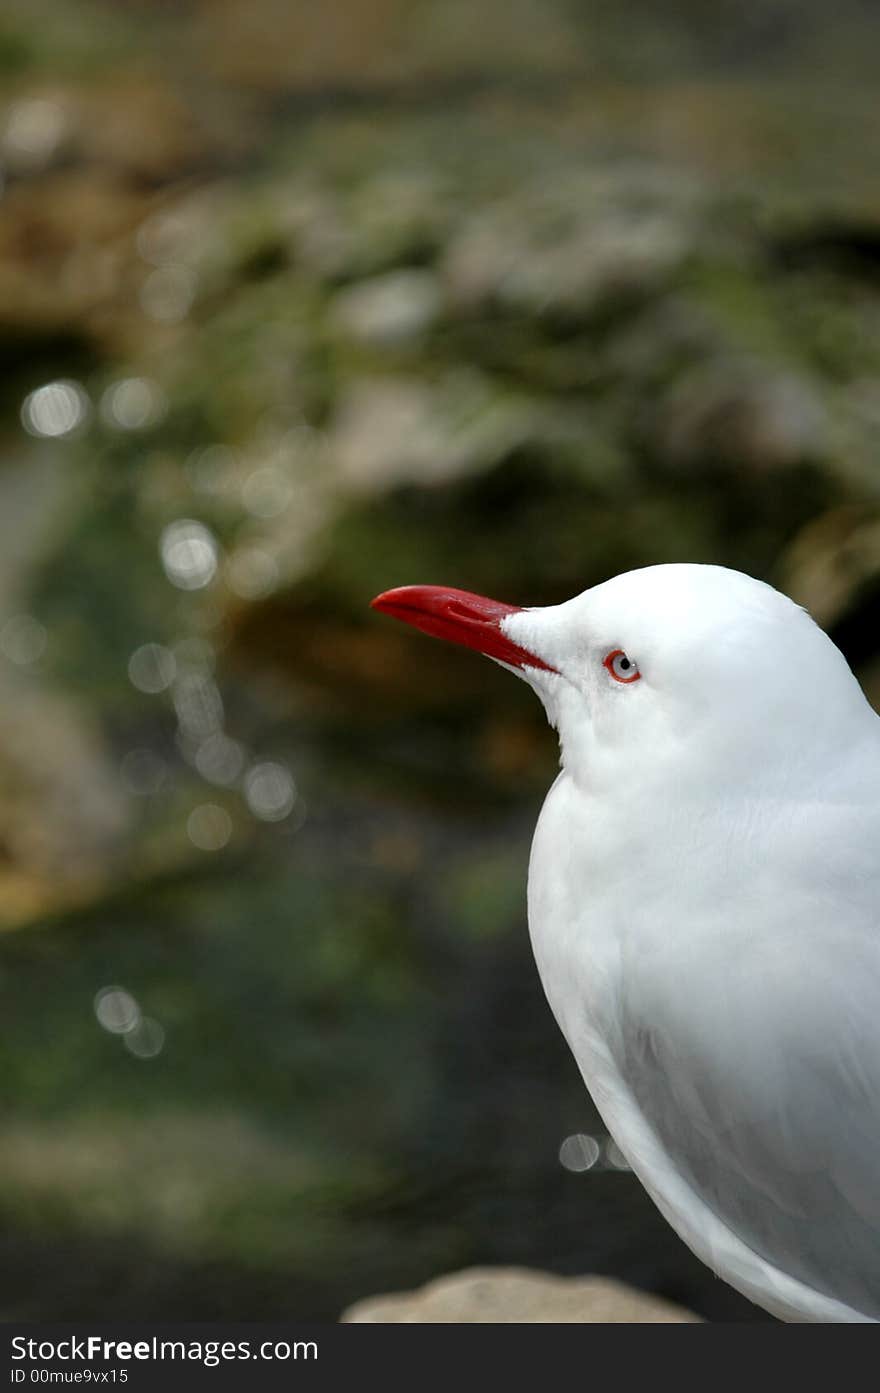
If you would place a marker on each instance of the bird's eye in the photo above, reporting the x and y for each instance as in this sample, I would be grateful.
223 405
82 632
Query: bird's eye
620 667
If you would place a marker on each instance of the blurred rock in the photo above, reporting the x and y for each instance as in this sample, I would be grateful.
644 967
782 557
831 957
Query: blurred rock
63 809
140 129
515 1295
403 215
314 222
832 560
388 219
389 310
64 255
742 415
393 429
36 132
855 431
570 249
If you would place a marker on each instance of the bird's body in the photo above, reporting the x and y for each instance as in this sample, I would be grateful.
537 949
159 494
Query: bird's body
728 1064
704 907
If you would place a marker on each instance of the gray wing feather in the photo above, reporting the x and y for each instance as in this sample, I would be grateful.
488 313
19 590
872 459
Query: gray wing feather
763 1084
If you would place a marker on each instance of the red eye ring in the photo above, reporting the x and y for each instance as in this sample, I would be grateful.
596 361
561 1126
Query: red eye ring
614 667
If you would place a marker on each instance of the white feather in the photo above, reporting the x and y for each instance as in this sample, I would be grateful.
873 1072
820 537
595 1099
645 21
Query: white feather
704 906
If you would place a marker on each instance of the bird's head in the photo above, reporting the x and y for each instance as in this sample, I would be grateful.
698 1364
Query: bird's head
683 671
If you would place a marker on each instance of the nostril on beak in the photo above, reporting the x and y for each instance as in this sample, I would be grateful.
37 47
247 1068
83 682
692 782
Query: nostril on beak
459 611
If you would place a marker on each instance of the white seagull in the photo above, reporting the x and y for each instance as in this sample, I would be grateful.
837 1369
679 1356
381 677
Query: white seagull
704 909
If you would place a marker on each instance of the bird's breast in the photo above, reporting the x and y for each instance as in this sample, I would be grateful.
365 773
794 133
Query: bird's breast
576 887
619 891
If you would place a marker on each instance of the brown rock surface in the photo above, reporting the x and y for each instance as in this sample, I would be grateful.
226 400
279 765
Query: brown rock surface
517 1295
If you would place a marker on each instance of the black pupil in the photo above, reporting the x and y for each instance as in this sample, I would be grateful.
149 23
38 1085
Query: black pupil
625 664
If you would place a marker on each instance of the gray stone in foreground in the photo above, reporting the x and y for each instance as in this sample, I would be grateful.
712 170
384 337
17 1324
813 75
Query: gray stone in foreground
517 1295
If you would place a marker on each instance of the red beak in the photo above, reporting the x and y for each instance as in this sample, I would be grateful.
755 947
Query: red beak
460 617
